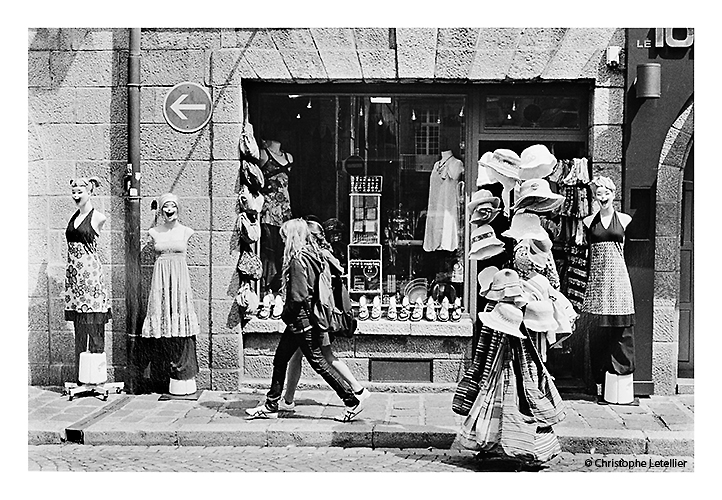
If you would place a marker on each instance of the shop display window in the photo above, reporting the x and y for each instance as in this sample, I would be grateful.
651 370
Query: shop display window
536 111
338 139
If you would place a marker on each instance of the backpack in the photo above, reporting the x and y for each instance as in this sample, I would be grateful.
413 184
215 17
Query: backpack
331 309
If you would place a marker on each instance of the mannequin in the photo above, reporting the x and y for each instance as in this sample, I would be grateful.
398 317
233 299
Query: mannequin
443 210
608 300
87 301
275 165
171 320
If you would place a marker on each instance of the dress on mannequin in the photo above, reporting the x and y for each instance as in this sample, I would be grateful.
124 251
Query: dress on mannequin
443 210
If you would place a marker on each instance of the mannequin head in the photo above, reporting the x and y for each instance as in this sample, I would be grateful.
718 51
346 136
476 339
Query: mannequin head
169 206
82 189
604 191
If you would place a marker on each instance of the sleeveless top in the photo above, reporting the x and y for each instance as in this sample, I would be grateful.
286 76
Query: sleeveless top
277 207
609 290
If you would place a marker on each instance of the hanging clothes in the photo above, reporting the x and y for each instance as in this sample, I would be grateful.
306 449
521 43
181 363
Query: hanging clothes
442 215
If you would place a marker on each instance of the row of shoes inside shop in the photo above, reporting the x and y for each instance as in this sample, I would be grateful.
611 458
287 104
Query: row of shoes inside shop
272 306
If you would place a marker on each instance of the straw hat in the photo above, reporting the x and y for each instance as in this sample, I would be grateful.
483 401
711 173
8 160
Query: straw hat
539 251
536 162
526 226
165 198
485 278
564 313
536 195
482 178
504 318
505 285
480 197
484 243
503 161
484 207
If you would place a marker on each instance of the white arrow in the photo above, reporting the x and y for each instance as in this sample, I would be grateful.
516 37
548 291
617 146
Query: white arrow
178 108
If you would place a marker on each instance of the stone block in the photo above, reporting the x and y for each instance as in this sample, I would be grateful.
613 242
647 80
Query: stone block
93 39
318 434
608 106
666 324
183 178
685 121
263 344
102 105
341 65
37 212
383 327
56 279
377 64
77 142
225 282
203 379
670 444
666 287
528 63
39 69
453 64
84 68
43 38
409 347
412 436
258 367
170 67
39 346
669 184
416 52
225 178
203 315
62 346
304 64
223 242
457 38
227 104
38 280
542 38
161 142
37 178
221 316
607 143
230 66
668 219
52 106
444 370
664 367
604 441
225 214
200 281
371 38
225 351
225 141
199 248
490 64
666 254
225 380
59 174
37 246
674 148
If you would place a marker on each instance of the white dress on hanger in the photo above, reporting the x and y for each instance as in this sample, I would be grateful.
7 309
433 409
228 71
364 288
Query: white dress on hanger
443 211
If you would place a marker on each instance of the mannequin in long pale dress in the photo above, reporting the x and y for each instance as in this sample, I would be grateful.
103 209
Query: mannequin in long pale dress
609 301
171 319
443 210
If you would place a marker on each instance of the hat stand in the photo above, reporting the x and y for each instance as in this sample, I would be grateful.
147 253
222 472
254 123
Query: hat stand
618 389
90 369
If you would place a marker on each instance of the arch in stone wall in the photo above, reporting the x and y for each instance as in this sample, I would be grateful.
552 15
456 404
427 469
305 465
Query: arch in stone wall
670 173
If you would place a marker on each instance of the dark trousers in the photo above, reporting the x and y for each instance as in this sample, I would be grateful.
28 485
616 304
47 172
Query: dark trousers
611 350
88 336
160 360
271 257
309 342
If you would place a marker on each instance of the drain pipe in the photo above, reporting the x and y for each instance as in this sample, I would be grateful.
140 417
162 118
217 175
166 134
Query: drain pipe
132 213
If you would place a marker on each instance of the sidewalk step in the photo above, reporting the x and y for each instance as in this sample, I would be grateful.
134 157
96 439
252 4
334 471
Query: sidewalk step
261 385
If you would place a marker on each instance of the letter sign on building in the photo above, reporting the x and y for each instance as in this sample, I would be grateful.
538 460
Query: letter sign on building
187 107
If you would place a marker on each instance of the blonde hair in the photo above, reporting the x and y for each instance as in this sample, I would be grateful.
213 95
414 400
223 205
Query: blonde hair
605 182
89 182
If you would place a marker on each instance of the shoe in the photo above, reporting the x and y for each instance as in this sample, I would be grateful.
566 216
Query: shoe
283 406
363 308
353 411
404 312
456 311
261 411
391 312
265 311
376 308
430 309
418 311
444 311
277 308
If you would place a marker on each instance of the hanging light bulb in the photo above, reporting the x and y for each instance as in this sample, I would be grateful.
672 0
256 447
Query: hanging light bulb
461 113
309 104
361 111
513 105
298 116
413 115
381 121
508 117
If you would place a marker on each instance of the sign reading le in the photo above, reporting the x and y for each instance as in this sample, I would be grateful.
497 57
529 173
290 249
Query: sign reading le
187 107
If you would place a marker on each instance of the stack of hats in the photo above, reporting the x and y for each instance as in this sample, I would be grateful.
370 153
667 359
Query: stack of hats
506 289
483 208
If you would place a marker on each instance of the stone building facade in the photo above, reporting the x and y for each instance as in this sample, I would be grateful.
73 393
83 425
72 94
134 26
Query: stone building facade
77 126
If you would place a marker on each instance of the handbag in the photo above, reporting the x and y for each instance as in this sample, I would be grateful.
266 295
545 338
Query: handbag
247 144
250 265
247 299
250 231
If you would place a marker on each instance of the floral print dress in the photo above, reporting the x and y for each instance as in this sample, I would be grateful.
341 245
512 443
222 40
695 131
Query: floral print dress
86 292
277 207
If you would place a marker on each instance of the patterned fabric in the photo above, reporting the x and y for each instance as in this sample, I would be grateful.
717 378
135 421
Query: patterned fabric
609 290
277 206
524 266
86 291
170 303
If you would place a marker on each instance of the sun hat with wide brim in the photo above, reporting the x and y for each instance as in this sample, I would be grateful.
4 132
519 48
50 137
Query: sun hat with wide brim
505 286
482 177
485 278
535 194
526 226
536 162
482 196
539 251
504 162
539 316
505 318
484 243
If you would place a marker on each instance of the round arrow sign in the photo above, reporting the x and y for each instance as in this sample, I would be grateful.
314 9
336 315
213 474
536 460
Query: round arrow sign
187 107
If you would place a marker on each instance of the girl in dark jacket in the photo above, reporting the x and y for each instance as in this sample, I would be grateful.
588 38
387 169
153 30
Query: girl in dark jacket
302 263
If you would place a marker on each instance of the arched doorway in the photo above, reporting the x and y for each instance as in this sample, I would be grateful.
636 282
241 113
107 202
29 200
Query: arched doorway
685 363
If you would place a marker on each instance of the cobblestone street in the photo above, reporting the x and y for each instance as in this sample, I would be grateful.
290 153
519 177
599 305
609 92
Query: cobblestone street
71 457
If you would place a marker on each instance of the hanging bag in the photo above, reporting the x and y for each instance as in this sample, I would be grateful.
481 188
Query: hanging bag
247 144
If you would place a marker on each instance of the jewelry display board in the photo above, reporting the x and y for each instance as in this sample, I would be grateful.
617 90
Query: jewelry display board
364 249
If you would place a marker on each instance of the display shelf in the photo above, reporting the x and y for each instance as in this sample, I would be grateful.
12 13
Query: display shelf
365 274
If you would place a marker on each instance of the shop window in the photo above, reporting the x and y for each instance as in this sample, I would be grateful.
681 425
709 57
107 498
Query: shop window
337 139
525 112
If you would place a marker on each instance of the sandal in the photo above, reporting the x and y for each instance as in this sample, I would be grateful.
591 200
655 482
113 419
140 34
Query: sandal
444 311
363 308
418 311
431 309
265 311
277 308
376 308
391 312
404 312
456 311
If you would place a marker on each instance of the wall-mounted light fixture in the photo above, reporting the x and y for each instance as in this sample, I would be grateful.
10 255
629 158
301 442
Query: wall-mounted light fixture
613 56
649 80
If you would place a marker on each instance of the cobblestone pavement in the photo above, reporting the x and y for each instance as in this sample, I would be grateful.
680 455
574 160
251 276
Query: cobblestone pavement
71 457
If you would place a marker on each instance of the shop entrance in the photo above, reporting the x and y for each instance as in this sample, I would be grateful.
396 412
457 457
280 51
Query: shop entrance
686 285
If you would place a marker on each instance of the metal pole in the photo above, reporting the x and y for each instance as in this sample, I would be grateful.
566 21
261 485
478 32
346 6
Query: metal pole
132 211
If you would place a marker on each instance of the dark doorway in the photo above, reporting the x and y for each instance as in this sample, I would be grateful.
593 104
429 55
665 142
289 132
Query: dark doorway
686 278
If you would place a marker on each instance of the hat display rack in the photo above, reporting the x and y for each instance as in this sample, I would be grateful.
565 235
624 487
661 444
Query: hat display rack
247 230
516 306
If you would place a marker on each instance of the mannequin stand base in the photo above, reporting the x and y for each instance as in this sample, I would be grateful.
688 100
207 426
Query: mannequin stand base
72 389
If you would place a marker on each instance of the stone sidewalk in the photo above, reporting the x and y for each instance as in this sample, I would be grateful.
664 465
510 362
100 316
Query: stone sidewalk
660 425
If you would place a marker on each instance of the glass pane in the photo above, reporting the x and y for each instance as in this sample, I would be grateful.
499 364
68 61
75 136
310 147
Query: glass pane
532 112
367 161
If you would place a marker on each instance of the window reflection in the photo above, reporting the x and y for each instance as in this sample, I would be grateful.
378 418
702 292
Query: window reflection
532 112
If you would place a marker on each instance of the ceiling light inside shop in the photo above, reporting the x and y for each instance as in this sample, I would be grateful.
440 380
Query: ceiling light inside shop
294 96
381 100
